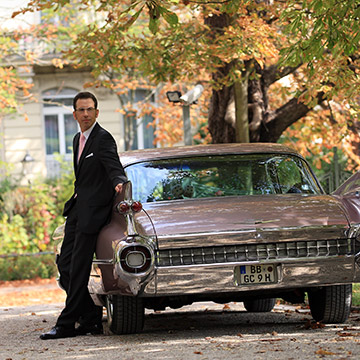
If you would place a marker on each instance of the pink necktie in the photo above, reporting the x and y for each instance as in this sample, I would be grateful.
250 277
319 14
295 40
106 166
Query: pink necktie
81 145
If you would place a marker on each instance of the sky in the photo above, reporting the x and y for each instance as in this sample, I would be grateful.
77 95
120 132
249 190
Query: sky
8 7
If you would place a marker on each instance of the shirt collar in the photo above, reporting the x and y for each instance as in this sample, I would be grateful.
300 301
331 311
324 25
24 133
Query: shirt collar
88 131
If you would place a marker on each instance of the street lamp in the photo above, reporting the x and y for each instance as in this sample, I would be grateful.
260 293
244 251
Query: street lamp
173 96
187 99
26 164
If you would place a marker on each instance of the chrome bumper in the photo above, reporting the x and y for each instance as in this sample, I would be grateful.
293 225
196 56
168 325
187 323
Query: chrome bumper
211 269
220 278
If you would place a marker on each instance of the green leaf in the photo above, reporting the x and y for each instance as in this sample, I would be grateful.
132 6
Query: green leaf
169 16
153 25
133 18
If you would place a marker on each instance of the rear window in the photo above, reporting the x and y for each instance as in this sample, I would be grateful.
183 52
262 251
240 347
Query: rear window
212 176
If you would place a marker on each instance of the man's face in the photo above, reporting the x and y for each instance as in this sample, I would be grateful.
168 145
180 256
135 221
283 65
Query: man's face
85 113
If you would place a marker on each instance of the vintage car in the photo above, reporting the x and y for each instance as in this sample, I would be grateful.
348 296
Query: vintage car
232 222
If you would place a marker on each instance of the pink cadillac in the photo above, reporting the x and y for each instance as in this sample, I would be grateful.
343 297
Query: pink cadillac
232 222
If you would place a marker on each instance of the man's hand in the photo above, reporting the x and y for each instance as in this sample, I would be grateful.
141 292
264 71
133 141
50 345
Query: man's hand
118 188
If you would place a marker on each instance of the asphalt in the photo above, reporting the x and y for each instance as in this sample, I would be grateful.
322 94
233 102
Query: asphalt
201 331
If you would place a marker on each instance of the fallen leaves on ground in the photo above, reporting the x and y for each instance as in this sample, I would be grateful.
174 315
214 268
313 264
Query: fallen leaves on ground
30 292
313 325
324 352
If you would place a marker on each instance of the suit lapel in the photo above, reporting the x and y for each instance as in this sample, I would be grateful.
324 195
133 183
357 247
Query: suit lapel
76 149
87 146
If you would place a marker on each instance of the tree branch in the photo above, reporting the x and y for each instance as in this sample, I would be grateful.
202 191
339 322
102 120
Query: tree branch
273 73
279 120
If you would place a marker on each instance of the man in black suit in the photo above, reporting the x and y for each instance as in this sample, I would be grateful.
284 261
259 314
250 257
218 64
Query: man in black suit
98 176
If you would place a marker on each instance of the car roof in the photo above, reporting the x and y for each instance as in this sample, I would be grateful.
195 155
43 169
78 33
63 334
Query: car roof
136 156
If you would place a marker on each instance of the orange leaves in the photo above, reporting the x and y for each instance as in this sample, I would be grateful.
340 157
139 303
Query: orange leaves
139 106
324 352
59 63
313 325
12 87
256 39
327 126
169 127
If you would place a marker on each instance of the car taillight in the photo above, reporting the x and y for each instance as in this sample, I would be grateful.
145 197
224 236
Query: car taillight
123 207
136 206
135 259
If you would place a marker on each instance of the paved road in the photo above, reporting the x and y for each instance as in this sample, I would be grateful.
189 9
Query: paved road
201 331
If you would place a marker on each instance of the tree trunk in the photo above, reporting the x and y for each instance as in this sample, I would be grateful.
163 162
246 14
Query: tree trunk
240 114
221 120
241 109
222 116
263 124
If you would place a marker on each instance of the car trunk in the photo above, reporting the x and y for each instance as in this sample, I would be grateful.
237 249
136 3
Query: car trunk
227 217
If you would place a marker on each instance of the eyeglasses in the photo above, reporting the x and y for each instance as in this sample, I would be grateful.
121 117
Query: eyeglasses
81 110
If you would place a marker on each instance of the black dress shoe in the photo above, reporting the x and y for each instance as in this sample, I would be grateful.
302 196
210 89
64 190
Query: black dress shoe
58 332
84 329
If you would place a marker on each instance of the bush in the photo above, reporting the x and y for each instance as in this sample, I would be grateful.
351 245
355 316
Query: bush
13 238
28 267
29 217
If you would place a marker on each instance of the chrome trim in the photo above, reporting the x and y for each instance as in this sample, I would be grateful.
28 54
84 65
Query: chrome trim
59 233
255 253
254 235
103 262
220 279
262 262
135 281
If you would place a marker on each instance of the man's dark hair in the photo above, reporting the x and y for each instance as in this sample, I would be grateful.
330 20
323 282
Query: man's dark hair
85 95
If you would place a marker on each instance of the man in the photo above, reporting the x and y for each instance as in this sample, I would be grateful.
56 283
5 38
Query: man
98 176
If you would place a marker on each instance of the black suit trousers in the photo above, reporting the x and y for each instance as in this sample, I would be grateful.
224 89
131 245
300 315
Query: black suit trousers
74 264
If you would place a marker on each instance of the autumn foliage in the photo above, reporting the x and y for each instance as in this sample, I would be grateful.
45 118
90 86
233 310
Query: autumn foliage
298 60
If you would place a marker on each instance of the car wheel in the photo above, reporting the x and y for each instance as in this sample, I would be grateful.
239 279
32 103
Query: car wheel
260 305
330 304
125 314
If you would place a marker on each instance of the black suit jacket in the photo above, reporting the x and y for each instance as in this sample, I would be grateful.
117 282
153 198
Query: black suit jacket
98 172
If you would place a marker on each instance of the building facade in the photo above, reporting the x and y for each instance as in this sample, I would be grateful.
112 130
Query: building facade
47 134
31 148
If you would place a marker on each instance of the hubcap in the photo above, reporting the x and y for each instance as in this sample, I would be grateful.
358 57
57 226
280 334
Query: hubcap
109 309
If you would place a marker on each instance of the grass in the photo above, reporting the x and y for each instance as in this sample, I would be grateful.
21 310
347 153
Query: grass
356 295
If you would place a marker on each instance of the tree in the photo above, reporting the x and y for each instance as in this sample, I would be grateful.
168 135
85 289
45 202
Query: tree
14 89
252 54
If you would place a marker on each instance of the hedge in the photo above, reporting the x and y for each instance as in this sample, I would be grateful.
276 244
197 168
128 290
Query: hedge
27 267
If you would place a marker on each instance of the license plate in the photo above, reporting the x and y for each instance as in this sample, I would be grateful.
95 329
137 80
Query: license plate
255 274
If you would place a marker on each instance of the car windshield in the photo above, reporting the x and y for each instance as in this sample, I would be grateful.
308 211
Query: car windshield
226 175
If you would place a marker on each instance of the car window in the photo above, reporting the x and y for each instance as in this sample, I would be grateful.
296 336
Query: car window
212 176
289 175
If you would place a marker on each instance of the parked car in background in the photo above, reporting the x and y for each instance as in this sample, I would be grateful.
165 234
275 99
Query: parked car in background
231 222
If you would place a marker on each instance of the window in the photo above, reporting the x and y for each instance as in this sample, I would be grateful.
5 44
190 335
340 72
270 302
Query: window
60 126
138 134
220 175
